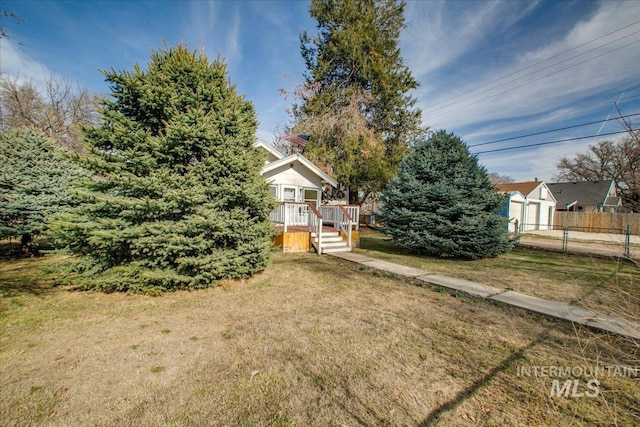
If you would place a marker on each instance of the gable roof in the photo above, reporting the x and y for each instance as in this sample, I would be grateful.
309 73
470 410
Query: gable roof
523 187
586 193
300 158
268 148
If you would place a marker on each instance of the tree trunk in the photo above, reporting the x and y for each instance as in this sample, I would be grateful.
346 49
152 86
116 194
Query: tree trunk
353 195
26 245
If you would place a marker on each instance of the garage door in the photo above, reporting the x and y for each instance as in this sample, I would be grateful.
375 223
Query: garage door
515 212
533 216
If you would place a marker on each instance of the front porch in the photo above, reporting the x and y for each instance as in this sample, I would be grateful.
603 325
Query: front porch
328 228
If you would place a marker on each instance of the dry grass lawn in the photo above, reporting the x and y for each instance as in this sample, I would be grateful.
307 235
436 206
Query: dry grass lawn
311 341
606 285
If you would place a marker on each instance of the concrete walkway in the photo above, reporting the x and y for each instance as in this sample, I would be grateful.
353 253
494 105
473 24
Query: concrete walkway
555 309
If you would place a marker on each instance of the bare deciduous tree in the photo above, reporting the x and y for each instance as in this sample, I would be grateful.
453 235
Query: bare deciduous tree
57 109
617 160
496 178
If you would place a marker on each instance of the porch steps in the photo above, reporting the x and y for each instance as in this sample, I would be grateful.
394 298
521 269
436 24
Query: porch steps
331 242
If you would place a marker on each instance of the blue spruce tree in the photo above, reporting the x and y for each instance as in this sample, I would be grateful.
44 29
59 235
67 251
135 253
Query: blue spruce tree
34 181
442 203
178 200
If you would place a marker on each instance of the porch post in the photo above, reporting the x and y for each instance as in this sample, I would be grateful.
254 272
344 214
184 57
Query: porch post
319 233
284 205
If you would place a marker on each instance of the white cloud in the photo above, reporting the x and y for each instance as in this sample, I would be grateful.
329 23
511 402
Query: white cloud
19 65
536 162
218 30
550 89
438 32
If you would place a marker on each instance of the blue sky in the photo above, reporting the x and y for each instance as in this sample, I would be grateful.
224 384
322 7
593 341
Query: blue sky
487 70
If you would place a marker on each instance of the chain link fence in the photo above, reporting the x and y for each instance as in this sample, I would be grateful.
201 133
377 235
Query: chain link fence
618 242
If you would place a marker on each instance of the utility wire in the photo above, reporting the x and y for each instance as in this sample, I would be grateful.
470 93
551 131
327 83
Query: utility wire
554 130
552 142
533 65
535 80
545 68
563 113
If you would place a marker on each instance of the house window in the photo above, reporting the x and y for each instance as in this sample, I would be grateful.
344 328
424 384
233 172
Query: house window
273 190
289 194
311 196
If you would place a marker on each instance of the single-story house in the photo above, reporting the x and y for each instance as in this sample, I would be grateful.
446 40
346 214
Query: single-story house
586 196
530 203
293 178
298 184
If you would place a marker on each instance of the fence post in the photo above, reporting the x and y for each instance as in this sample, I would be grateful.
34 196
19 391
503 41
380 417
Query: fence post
627 242
565 239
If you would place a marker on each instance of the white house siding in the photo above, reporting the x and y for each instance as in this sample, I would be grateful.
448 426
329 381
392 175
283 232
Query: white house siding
537 216
531 203
298 177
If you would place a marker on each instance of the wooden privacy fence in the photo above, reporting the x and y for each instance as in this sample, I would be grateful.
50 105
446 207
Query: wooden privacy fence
598 222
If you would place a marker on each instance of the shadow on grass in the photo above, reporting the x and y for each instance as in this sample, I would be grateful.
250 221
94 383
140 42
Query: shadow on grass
316 265
376 241
468 392
382 243
23 276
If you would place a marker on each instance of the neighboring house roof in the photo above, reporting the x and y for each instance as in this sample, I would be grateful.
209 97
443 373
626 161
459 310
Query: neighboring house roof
524 188
299 158
584 193
612 201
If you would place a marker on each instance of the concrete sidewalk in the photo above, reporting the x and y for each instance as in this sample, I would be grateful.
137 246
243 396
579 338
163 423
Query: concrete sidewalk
555 309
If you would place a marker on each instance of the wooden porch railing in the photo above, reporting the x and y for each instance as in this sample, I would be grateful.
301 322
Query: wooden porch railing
342 217
315 225
291 214
344 223
333 214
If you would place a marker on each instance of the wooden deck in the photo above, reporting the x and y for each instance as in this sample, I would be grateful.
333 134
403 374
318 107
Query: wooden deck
298 238
300 216
302 229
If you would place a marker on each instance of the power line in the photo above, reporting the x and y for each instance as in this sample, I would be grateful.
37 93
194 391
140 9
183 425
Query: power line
551 142
537 63
554 130
563 113
550 66
538 79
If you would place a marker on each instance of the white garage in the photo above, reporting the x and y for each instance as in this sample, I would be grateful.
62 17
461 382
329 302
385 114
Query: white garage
530 203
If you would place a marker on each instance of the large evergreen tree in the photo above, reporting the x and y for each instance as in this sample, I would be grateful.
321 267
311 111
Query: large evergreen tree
34 180
442 202
354 101
179 201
